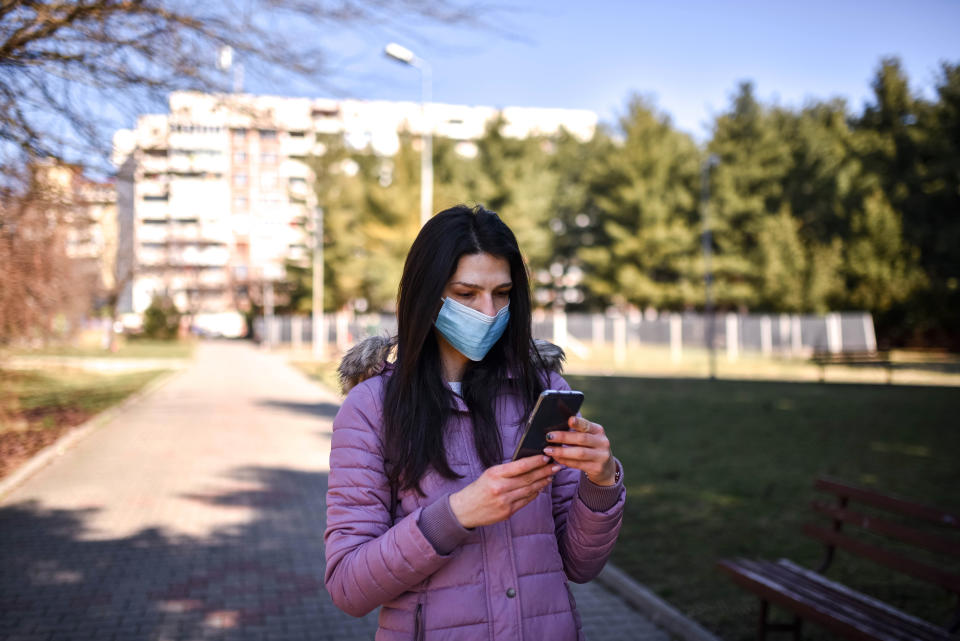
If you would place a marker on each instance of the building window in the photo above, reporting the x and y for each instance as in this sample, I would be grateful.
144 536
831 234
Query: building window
239 134
297 134
240 180
268 134
268 158
268 180
239 157
240 203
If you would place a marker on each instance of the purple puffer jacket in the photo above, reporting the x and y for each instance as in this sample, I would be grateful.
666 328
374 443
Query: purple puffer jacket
437 580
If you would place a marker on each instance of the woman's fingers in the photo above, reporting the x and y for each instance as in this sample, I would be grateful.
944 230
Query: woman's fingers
580 424
521 466
566 455
582 439
523 495
536 475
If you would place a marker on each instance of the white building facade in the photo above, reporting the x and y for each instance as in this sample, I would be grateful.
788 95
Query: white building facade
212 196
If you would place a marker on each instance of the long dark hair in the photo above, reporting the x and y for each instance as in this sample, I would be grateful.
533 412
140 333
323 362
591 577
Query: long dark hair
417 401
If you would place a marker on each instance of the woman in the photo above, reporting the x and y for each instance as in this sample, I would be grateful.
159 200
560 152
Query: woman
426 515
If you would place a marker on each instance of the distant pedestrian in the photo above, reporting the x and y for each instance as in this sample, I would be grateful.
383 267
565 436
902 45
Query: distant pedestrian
426 516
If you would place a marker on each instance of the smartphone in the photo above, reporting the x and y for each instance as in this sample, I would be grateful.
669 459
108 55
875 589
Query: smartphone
551 412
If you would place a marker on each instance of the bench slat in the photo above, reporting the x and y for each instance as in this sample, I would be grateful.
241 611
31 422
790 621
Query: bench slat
878 607
885 557
889 528
836 607
856 604
889 503
751 577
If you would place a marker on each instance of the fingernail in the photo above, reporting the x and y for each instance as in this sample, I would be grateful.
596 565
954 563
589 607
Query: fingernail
555 468
545 458
550 436
548 450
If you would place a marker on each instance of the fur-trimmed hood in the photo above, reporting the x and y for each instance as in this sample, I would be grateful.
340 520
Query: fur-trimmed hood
368 358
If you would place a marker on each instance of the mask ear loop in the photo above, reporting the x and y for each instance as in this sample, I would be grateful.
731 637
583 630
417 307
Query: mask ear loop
443 301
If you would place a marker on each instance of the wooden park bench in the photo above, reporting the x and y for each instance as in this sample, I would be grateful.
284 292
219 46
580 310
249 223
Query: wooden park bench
859 359
839 609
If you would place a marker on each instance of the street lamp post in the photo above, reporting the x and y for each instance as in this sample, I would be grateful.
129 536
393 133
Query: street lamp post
707 245
319 335
407 57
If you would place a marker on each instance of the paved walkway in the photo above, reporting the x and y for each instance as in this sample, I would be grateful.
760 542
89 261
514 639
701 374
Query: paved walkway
198 514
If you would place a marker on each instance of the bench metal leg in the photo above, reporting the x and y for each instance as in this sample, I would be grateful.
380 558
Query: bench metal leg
762 628
764 625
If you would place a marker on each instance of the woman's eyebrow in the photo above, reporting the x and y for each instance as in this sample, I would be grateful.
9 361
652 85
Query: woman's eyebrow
474 286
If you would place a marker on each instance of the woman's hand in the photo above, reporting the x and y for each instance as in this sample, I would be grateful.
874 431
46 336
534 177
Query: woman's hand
502 490
585 448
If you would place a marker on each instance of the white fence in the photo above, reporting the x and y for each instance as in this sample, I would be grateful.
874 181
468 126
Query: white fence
783 334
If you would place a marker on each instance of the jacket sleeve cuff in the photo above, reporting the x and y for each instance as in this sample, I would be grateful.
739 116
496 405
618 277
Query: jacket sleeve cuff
440 527
600 498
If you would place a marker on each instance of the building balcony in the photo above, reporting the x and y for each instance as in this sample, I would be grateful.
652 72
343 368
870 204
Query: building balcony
154 162
153 190
301 146
152 233
187 162
153 209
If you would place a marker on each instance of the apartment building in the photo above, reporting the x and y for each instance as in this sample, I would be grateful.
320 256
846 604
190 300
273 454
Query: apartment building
212 196
86 211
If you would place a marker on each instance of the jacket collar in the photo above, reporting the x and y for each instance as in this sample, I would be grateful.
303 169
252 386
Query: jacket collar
372 356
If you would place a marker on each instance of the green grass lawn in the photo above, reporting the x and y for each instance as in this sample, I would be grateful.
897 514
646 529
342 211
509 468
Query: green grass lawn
725 468
128 348
37 406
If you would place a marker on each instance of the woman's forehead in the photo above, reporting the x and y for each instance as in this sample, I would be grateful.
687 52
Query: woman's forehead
485 270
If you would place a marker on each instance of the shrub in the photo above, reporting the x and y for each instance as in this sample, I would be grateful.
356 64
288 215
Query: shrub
162 319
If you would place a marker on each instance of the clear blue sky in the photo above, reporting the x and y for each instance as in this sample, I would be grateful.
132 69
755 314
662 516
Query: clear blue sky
688 56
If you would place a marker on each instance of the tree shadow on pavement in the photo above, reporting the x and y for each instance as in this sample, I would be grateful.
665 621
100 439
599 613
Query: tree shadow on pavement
321 410
262 579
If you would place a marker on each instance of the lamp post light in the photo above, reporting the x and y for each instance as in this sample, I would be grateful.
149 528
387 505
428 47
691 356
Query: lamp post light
403 55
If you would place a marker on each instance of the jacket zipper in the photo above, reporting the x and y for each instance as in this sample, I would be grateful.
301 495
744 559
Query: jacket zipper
418 631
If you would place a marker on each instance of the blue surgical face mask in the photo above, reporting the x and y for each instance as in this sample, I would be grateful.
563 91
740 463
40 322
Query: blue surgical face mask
471 333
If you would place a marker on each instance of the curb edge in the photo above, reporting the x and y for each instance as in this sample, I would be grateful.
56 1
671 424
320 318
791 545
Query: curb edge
661 613
74 435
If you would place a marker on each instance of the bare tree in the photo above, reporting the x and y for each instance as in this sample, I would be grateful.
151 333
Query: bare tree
68 69
38 281
71 71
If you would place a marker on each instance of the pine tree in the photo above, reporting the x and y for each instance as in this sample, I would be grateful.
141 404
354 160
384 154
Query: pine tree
747 188
646 196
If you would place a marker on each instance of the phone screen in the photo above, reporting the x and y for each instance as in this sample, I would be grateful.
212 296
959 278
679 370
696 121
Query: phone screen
553 409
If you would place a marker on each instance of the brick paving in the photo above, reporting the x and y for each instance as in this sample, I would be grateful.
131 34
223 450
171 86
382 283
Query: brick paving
198 513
